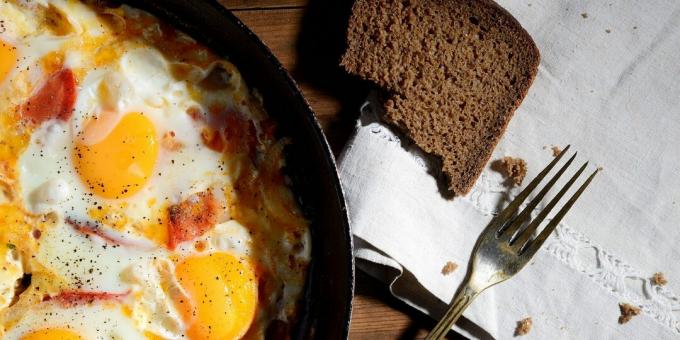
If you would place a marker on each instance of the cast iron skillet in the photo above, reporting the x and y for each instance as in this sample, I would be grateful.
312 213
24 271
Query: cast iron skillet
310 163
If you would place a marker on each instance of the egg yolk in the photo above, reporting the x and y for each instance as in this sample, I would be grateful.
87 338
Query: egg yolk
8 58
118 165
52 334
223 293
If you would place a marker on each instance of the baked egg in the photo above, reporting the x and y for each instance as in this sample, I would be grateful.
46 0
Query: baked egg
141 186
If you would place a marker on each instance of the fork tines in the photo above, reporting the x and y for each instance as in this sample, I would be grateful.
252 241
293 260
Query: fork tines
508 228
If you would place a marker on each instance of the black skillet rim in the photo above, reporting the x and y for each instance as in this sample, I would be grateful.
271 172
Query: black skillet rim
305 327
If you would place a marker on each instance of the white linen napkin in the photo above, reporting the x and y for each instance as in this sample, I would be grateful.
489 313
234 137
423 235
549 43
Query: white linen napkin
609 85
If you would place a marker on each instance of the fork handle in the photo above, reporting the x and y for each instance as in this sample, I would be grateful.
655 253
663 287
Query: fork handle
460 302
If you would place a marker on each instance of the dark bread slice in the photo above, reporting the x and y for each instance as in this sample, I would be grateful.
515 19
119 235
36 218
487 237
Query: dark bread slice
457 70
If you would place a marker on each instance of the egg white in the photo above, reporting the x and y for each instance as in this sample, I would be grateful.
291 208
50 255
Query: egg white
87 262
154 291
12 271
96 321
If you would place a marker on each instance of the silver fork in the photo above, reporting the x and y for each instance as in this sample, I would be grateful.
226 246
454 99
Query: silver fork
504 247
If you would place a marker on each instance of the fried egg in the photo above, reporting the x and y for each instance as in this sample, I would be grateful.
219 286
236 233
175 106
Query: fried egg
141 187
171 293
122 165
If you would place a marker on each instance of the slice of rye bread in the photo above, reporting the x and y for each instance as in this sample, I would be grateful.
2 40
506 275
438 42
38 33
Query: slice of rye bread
456 70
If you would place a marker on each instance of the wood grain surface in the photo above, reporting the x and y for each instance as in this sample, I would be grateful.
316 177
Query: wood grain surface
308 36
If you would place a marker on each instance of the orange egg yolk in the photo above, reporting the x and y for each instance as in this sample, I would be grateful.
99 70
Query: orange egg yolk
8 58
52 334
223 293
119 164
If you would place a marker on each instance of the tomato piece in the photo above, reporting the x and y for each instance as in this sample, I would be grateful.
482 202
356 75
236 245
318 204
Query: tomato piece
74 298
213 139
229 131
240 135
93 230
55 99
268 127
191 218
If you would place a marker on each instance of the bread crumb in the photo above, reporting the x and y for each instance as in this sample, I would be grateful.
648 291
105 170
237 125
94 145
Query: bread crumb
584 15
449 268
659 279
628 311
608 30
523 326
556 151
512 168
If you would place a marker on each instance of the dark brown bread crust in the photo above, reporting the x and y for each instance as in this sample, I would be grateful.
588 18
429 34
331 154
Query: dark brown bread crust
457 70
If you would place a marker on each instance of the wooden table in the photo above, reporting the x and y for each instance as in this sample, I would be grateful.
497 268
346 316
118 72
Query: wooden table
308 38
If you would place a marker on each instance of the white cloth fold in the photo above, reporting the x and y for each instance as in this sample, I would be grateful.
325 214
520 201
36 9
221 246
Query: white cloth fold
609 85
